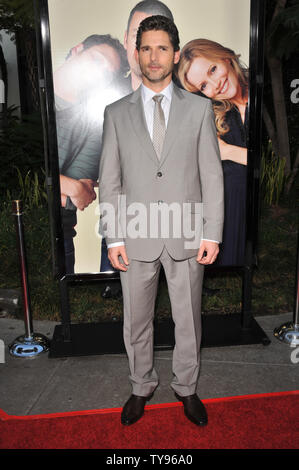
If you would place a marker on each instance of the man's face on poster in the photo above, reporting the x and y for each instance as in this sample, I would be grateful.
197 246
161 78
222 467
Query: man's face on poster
93 66
97 64
130 41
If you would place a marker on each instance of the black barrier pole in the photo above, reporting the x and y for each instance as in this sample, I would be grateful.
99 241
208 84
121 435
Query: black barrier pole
65 310
30 344
254 153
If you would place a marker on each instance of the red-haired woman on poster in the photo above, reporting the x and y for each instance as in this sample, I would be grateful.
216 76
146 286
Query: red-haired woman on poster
215 71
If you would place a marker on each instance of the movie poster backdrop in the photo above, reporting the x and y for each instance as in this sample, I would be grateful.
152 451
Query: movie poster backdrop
92 47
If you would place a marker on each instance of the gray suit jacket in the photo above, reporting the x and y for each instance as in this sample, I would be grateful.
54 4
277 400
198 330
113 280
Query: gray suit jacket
185 184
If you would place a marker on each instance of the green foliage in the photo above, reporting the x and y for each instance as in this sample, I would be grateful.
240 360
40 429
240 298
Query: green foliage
272 176
21 145
284 31
43 289
16 15
30 190
275 279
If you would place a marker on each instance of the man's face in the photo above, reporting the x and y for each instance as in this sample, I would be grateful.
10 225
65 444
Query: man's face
86 69
156 58
98 63
130 41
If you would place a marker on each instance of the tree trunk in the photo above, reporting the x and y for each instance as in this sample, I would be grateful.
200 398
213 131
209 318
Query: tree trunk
281 123
270 129
280 111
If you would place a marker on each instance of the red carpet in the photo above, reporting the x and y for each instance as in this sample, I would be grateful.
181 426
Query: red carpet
267 421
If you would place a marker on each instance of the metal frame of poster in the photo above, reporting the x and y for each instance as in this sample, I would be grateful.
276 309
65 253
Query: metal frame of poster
84 338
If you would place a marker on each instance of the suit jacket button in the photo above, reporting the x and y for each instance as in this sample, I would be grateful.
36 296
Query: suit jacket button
159 174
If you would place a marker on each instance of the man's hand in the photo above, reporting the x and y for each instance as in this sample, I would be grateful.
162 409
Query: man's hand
63 200
207 252
113 256
84 194
81 192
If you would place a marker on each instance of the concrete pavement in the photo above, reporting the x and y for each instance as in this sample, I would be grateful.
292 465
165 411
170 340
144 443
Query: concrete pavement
42 385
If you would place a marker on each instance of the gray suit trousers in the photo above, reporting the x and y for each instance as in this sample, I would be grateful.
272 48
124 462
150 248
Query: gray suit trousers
139 285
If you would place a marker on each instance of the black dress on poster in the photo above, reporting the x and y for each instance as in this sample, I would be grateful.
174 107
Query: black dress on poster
232 250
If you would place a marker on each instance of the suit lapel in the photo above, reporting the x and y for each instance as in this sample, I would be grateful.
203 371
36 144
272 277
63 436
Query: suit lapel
176 112
139 124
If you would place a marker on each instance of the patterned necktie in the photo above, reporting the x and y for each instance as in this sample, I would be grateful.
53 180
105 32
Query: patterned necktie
159 127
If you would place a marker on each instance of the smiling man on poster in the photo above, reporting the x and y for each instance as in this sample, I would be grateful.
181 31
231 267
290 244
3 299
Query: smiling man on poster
160 149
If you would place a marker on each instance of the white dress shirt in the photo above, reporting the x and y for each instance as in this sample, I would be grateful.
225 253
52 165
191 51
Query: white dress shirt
148 106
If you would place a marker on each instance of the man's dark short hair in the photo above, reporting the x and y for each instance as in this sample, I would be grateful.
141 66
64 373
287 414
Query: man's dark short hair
159 23
97 39
152 7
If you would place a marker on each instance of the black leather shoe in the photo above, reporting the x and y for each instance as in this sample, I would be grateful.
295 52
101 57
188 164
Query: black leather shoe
133 409
194 409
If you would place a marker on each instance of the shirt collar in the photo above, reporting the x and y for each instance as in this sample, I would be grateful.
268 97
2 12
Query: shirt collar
147 93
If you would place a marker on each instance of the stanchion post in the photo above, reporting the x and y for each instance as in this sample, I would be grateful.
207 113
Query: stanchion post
30 344
289 332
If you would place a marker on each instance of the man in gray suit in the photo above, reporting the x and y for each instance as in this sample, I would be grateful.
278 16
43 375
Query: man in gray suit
160 160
